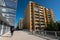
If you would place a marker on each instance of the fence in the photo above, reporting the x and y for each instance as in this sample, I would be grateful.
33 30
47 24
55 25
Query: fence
48 33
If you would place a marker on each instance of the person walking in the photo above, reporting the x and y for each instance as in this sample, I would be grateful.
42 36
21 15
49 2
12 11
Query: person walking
12 30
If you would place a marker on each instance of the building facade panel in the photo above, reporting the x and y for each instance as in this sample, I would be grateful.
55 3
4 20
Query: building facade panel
7 14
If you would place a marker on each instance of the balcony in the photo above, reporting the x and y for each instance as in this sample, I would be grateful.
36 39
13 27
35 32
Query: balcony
36 16
36 19
36 8
41 19
41 16
36 22
49 16
41 8
36 13
37 26
42 25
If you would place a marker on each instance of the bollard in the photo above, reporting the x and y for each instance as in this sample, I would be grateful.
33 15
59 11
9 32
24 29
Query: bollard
55 34
39 32
45 33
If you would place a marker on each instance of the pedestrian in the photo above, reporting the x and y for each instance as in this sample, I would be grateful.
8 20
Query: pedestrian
12 30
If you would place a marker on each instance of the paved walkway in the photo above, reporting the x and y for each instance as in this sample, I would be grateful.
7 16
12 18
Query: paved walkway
20 35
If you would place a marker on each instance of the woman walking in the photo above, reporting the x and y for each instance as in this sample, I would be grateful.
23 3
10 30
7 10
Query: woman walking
12 30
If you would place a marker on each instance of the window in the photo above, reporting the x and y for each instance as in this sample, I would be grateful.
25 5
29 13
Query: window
36 8
41 11
36 25
41 16
37 20
41 20
36 17
3 14
42 25
36 13
2 3
48 14
49 18
7 10
3 9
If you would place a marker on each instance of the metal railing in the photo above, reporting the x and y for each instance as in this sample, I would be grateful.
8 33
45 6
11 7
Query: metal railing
55 34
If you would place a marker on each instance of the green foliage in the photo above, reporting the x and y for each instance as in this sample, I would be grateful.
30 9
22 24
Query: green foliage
52 26
58 24
17 27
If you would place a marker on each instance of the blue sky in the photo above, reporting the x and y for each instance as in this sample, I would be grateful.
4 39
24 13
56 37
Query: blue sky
53 4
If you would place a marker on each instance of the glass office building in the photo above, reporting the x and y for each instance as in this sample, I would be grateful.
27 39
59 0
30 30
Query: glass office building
7 14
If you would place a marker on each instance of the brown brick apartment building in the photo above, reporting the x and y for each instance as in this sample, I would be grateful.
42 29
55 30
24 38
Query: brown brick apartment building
37 16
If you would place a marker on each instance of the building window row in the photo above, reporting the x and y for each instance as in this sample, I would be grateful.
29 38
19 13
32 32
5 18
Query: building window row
2 9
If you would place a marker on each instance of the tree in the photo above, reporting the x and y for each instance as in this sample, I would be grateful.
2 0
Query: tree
58 24
52 26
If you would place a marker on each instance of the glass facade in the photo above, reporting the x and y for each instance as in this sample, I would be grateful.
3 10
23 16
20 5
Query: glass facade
7 13
0 30
3 9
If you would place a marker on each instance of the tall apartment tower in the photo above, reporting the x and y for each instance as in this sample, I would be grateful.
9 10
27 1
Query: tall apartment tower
37 16
20 23
7 14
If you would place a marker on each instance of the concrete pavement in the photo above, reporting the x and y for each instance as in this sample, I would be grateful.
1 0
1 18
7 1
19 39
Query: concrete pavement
20 35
